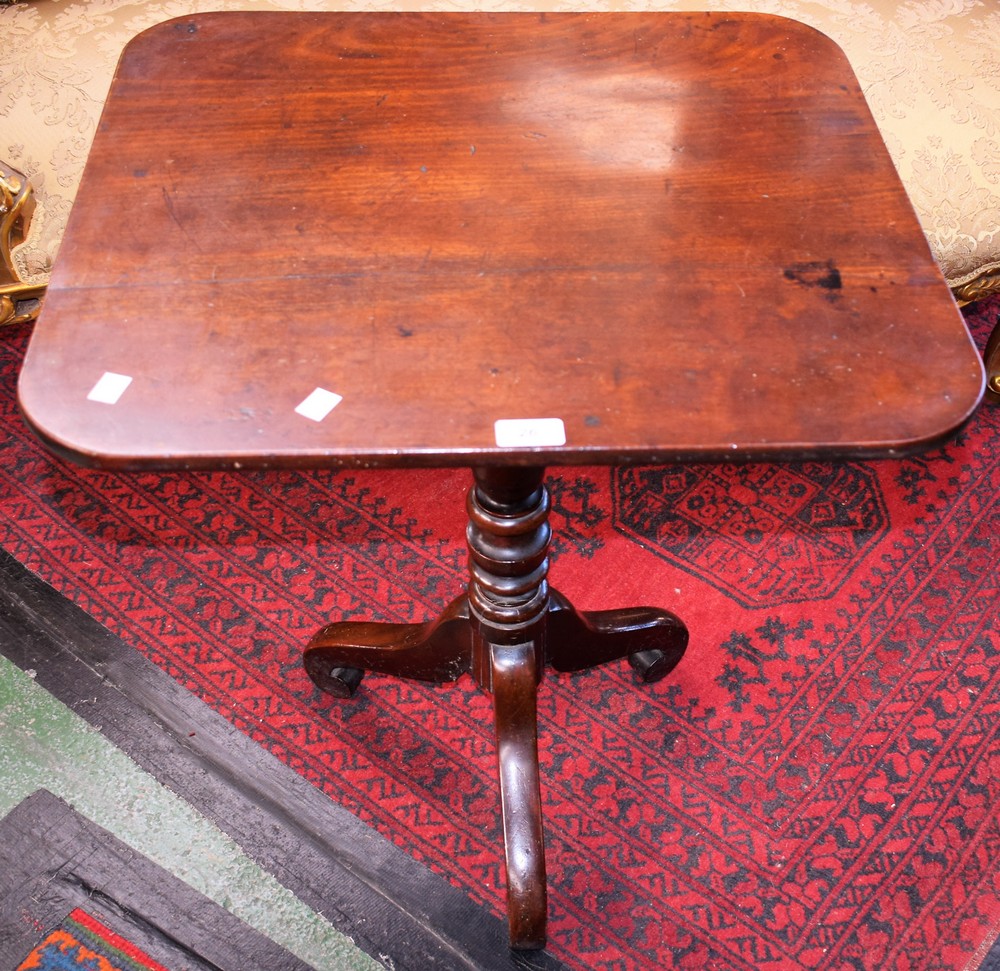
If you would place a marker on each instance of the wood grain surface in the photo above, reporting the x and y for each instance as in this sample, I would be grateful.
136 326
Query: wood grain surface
680 235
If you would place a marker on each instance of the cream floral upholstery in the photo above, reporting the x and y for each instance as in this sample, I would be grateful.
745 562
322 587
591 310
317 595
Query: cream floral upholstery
929 68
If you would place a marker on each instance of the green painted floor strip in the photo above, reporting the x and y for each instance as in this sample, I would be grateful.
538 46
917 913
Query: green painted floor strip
45 745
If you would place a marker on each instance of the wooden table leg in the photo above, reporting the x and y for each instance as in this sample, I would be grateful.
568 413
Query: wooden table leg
504 631
440 650
653 640
516 716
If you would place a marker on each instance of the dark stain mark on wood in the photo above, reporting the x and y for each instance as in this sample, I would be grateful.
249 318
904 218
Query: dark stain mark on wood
815 274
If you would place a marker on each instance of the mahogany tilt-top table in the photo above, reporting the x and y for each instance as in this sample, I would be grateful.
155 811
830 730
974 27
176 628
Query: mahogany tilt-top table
501 241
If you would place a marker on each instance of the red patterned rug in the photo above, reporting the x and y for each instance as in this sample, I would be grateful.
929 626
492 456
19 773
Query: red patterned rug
815 786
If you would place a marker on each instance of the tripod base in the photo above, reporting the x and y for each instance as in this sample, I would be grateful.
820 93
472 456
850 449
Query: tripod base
505 631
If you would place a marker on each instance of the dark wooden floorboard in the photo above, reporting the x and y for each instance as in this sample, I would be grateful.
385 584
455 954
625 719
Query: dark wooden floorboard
369 889
54 860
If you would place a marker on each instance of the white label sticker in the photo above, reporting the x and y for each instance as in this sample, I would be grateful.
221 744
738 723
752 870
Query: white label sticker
529 432
109 388
319 404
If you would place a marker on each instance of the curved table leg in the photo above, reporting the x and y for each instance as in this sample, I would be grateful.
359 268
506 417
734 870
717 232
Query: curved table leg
652 639
439 650
515 714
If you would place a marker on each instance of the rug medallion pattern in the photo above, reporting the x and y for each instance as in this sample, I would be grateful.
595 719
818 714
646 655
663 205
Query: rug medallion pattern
763 534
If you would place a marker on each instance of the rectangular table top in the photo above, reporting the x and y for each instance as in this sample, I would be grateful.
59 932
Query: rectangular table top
425 239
